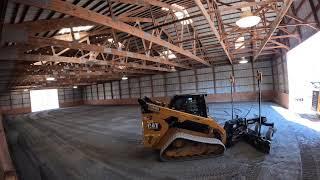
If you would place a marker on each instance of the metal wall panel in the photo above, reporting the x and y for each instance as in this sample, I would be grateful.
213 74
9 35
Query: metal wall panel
115 90
100 91
200 80
94 92
107 90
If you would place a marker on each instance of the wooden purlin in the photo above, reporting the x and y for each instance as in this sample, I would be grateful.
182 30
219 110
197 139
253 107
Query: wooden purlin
76 11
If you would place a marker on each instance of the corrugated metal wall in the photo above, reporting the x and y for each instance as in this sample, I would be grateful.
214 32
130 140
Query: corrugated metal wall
69 95
213 80
280 73
15 99
21 99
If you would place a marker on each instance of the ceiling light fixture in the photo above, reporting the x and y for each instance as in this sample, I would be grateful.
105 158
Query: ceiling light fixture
243 60
164 9
75 87
25 90
124 77
247 19
121 67
50 78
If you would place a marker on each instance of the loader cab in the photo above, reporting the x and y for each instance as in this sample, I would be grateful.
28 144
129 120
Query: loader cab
190 103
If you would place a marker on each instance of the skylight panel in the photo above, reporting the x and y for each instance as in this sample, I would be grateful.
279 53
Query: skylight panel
168 54
74 29
182 14
239 44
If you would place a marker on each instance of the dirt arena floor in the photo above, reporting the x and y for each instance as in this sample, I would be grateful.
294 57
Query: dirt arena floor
104 142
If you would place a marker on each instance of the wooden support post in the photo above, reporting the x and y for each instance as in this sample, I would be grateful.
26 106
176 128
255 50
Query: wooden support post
104 91
10 100
139 84
151 83
111 87
129 88
22 99
285 86
91 92
214 80
179 81
253 75
73 96
232 72
165 85
120 96
272 69
196 79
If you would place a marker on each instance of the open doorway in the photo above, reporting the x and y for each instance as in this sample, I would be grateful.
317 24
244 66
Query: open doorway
304 75
44 99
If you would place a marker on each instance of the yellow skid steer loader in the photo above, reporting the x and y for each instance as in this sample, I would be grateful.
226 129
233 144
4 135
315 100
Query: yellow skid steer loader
182 129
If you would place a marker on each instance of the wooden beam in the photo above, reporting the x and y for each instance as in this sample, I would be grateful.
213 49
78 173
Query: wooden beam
148 3
45 25
100 49
212 27
73 10
12 54
135 19
285 7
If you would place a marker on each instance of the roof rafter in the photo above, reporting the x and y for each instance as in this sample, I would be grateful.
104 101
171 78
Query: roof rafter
213 29
38 41
148 3
285 7
73 10
32 27
12 54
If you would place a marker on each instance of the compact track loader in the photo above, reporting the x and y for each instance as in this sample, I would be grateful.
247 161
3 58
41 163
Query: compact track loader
182 130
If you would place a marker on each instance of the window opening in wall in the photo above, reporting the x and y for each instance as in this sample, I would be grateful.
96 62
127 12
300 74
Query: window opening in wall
304 78
44 99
